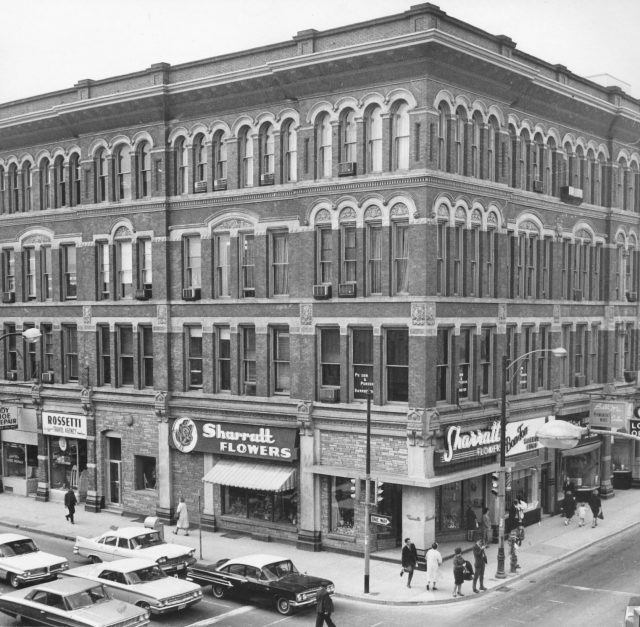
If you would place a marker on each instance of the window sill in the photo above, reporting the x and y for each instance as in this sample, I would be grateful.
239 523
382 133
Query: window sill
342 537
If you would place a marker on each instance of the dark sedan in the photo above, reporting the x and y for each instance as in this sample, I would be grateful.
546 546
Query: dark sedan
260 577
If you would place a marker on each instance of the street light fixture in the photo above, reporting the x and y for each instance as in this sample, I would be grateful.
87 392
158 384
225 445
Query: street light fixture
506 379
30 335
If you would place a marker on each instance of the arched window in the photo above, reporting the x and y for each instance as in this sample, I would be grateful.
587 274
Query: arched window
444 130
400 137
27 183
14 189
2 190
100 166
123 172
635 188
578 176
289 140
623 185
539 169
461 141
245 157
601 186
182 163
199 163
553 166
373 139
45 184
515 157
60 186
588 176
477 156
219 161
267 154
493 150
74 180
569 170
323 135
143 174
525 160
348 137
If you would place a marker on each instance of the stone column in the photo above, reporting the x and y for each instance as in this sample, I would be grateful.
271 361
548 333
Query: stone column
309 527
42 491
164 507
606 487
94 499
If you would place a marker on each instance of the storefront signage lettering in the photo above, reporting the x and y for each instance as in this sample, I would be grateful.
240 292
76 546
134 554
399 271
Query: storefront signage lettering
611 415
8 417
274 443
68 425
476 443
522 436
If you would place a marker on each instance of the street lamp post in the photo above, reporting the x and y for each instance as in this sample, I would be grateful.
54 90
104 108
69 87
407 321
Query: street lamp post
367 497
30 335
501 501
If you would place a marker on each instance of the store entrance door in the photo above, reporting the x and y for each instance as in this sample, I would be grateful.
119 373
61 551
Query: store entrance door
114 461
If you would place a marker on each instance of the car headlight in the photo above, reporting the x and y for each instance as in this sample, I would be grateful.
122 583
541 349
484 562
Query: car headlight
161 560
26 573
300 597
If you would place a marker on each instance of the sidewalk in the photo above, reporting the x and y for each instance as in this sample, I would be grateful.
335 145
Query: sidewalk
545 543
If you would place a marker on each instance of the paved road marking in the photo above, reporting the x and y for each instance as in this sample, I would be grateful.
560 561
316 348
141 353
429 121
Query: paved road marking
585 589
217 619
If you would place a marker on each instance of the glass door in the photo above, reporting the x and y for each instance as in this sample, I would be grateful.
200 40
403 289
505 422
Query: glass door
114 461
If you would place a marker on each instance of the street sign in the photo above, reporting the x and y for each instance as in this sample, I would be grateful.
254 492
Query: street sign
634 427
384 520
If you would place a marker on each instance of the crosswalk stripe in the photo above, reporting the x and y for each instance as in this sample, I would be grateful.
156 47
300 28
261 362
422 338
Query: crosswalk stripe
217 619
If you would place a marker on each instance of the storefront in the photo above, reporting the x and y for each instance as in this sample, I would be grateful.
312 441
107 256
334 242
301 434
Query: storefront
250 472
66 438
580 468
19 449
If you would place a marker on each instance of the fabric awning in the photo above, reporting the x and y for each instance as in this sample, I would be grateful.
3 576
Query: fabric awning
579 450
272 478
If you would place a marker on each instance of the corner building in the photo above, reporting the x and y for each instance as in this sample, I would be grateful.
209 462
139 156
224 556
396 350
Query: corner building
224 256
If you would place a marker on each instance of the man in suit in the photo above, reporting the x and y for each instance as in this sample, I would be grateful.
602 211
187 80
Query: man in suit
409 560
324 608
70 503
479 561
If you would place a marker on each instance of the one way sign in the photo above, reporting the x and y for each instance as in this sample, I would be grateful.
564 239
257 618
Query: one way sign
383 520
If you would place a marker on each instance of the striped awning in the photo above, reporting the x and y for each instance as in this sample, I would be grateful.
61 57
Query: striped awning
269 477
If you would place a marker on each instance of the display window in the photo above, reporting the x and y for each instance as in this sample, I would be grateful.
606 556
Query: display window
67 459
459 502
582 469
521 487
621 452
19 460
342 506
277 507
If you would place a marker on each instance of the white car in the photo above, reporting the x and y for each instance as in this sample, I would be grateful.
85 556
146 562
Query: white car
142 583
21 561
136 542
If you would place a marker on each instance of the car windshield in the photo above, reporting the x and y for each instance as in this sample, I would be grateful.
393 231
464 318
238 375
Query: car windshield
18 547
152 573
277 570
87 598
148 539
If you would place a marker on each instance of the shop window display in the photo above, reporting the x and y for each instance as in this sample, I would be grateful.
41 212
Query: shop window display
20 460
582 470
67 459
451 506
342 506
277 507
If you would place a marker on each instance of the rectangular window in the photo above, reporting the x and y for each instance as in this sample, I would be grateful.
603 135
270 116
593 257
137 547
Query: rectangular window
30 273
397 365
443 360
249 361
125 355
325 254
146 356
525 384
374 258
564 362
224 359
594 343
279 264
145 267
464 363
441 259
349 254
579 350
69 276
277 507
45 268
47 347
492 254
458 250
401 257
542 362
124 260
104 270
194 357
29 350
20 460
70 352
104 355
247 243
473 257
362 362
330 358
192 260
145 472
9 264
486 361
222 264
11 355
281 361
342 507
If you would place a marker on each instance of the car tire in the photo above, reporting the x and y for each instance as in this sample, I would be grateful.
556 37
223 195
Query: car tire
94 559
144 605
283 606
13 581
218 591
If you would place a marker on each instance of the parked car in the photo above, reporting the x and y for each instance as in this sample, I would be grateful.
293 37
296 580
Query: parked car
73 603
141 582
136 542
260 577
632 613
21 561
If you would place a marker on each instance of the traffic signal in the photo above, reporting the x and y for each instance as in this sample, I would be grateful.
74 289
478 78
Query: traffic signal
494 483
379 491
353 488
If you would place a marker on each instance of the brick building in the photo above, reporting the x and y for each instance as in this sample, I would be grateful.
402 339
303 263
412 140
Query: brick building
224 256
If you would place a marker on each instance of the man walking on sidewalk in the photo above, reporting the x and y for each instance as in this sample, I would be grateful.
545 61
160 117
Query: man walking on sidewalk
324 608
409 560
70 503
479 562
595 504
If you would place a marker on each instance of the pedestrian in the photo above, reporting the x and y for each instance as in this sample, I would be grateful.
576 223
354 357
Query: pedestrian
433 558
568 507
582 514
458 572
409 560
514 544
324 607
70 503
479 561
183 517
595 504
485 525
472 523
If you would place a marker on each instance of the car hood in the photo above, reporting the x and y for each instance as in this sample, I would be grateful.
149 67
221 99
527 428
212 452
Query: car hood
29 561
300 583
162 588
107 613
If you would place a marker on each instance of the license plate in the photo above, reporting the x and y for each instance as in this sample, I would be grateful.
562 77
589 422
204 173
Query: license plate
181 567
181 607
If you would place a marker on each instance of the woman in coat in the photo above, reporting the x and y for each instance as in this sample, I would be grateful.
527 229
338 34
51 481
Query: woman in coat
433 559
568 507
458 572
183 517
596 505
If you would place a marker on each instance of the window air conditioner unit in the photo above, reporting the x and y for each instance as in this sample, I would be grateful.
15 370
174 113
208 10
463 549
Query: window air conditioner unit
47 377
630 376
191 293
199 187
144 293
12 375
267 179
632 297
572 195
8 297
347 290
580 381
249 292
538 187
329 395
577 295
322 292
348 168
219 185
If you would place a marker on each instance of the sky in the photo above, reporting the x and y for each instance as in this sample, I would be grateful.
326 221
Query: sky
47 45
